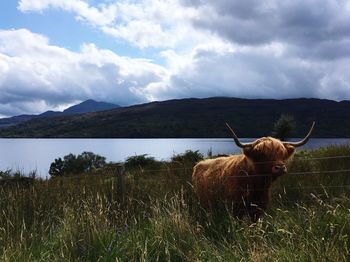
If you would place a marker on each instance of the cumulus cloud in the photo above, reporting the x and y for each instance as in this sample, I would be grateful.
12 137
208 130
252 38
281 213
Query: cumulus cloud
263 73
148 23
39 75
252 49
303 24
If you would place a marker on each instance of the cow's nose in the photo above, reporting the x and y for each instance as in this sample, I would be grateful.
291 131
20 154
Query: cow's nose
281 169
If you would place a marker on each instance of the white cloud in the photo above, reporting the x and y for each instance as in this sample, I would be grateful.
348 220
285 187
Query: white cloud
181 24
142 34
270 49
99 16
264 72
154 23
148 23
36 76
35 73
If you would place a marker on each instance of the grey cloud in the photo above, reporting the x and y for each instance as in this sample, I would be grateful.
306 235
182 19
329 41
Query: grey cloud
243 22
244 32
244 10
280 49
326 50
253 75
310 23
303 23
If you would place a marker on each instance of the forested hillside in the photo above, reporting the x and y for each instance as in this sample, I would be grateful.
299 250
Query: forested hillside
195 118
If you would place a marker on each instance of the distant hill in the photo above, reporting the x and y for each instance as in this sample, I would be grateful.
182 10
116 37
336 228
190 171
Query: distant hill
84 107
89 106
10 121
194 118
49 113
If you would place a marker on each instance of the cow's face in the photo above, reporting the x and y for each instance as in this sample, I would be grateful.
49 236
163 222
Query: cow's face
270 155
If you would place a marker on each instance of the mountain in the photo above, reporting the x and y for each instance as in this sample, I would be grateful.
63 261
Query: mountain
49 113
89 106
84 107
10 121
194 118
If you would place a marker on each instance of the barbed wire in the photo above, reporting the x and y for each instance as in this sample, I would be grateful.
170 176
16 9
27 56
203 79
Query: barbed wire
255 162
283 193
321 200
282 188
320 158
168 169
246 175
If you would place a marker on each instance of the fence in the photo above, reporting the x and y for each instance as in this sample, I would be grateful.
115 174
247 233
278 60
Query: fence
121 190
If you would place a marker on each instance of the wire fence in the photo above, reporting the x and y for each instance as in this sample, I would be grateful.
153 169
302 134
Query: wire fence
168 169
240 174
233 176
255 162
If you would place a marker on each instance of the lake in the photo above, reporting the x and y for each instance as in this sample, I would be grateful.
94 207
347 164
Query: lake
37 154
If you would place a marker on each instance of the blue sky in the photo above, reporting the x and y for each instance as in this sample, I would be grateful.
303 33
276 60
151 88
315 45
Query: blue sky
54 53
63 30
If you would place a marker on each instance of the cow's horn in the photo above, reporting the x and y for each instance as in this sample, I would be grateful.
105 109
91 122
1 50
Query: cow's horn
304 141
238 143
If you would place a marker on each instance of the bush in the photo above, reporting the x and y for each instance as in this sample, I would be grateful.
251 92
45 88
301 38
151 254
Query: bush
71 164
141 162
284 127
5 174
189 157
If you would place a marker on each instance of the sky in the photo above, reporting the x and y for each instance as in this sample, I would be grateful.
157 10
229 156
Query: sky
56 53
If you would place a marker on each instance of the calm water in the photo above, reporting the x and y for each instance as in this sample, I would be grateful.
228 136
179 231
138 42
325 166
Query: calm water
37 154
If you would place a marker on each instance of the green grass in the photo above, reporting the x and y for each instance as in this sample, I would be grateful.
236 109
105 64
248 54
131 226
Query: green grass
82 219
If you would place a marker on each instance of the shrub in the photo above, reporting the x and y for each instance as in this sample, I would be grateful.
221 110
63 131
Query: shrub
71 164
284 127
189 157
141 162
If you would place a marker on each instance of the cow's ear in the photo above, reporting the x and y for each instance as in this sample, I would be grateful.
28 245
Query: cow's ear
249 152
290 149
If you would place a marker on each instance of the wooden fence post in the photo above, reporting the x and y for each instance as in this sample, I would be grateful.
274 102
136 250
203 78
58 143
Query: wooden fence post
121 183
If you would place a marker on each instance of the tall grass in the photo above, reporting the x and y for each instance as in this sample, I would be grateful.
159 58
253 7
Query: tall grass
82 219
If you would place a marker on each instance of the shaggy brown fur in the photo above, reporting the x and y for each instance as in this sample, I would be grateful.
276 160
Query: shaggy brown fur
242 182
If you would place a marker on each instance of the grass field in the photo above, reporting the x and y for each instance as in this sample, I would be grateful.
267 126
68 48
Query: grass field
83 218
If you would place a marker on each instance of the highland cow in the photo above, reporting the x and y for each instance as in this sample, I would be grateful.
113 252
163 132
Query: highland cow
243 182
